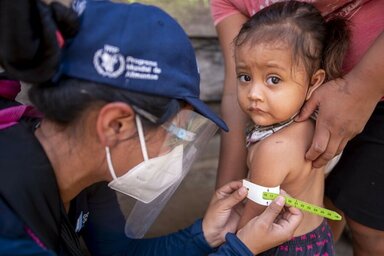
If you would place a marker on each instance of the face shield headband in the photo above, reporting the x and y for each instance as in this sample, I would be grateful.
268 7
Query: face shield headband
168 156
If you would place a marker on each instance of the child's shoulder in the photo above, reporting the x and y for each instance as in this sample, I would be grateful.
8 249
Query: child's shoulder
284 150
296 136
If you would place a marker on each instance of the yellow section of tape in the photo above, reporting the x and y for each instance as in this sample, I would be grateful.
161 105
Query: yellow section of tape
305 206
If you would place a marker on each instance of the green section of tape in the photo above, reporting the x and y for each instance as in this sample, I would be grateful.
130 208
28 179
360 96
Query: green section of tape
305 206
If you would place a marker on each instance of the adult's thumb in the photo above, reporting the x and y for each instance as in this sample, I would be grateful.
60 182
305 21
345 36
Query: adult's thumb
306 111
235 198
272 211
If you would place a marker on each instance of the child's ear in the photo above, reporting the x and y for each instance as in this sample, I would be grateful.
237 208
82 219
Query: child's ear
316 80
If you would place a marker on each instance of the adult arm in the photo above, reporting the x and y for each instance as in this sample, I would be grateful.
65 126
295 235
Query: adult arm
104 233
14 240
345 105
232 160
263 232
22 247
105 229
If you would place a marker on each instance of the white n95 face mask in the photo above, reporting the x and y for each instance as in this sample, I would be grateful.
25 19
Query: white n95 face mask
147 180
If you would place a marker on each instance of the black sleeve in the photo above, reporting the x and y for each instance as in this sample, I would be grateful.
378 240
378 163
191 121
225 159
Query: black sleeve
104 233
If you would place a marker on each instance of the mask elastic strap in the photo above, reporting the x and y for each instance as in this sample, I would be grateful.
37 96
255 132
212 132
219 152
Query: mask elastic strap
142 143
109 162
141 137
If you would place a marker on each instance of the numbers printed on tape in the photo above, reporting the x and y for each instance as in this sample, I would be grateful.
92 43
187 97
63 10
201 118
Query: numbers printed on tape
305 206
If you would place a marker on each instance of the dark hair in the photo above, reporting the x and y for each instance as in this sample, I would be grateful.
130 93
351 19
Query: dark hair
320 43
63 102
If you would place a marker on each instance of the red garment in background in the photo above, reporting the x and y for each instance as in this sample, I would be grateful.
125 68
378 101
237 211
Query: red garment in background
366 19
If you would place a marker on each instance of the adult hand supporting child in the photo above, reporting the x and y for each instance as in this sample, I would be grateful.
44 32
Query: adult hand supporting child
345 105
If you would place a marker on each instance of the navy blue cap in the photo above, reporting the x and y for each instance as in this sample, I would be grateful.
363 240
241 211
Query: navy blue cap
135 47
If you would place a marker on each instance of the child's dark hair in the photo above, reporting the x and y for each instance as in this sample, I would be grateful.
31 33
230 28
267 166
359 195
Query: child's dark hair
320 43
63 102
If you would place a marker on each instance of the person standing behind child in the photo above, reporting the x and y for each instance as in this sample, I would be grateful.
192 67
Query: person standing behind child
350 110
282 55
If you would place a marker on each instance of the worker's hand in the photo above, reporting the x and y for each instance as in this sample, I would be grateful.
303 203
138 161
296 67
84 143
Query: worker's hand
273 227
223 213
343 111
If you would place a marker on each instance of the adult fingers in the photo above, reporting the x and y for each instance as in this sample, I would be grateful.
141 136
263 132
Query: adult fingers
228 189
270 214
319 142
342 146
233 199
290 220
290 210
294 217
309 107
330 152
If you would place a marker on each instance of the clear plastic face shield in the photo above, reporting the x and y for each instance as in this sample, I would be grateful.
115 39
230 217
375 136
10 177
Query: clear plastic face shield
168 154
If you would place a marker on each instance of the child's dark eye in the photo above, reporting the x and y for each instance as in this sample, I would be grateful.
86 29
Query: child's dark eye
273 80
244 78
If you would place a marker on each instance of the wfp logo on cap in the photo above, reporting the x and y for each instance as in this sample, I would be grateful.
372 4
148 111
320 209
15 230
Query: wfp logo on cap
109 62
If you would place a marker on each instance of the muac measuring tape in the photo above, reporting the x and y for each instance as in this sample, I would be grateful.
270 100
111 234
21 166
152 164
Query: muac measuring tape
304 206
264 196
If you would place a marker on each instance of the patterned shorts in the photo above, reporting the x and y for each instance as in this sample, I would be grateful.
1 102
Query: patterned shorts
318 242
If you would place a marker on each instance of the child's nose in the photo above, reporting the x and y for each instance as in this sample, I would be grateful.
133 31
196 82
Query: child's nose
256 92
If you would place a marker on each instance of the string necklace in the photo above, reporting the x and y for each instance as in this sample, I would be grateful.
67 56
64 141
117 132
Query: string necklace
259 132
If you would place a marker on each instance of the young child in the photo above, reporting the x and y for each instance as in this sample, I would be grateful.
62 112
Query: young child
282 54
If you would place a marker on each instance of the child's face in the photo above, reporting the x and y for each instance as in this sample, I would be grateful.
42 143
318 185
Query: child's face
271 88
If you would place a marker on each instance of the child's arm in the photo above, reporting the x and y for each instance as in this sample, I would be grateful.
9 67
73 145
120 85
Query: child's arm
270 162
